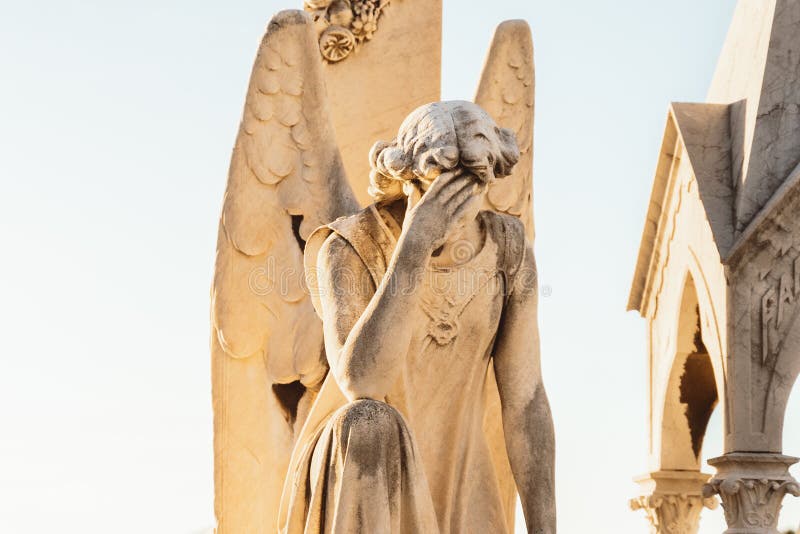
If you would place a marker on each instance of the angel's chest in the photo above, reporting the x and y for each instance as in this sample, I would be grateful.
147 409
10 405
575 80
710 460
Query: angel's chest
459 305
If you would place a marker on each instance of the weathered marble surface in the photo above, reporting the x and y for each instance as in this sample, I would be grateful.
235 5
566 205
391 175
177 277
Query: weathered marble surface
760 67
752 487
296 164
718 276
453 294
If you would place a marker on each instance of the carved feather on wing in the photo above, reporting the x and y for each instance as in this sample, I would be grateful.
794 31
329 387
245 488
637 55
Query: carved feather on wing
506 92
286 178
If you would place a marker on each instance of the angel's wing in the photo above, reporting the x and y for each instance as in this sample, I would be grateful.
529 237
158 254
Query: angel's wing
506 92
286 178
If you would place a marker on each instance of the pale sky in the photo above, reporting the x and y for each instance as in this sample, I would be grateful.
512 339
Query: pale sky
116 126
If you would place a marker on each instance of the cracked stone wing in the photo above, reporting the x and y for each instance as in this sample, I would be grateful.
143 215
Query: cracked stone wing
506 92
285 179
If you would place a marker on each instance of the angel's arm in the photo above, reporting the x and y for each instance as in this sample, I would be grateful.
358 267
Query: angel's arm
527 422
367 339
366 333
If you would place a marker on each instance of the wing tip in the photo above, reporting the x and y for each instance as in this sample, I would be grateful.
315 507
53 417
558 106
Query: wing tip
288 17
514 29
514 24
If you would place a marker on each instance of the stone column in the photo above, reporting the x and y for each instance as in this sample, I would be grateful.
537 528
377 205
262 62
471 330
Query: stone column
673 501
752 487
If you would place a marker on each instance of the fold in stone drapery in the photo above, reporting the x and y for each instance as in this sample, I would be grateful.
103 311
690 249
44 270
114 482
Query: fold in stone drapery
331 488
361 473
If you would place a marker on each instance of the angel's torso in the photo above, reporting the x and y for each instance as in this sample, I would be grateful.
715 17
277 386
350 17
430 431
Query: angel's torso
441 392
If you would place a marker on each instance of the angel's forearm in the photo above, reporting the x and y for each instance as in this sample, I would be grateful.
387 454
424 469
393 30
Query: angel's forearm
531 447
370 359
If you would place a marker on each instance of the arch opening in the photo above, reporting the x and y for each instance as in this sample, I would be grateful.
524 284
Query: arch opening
691 390
698 392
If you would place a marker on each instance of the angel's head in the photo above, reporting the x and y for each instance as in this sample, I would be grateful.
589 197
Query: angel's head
440 137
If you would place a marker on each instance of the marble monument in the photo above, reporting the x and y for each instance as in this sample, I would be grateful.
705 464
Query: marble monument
718 282
377 368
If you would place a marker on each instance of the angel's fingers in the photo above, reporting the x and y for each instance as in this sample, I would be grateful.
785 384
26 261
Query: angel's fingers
443 181
412 193
463 203
460 196
450 189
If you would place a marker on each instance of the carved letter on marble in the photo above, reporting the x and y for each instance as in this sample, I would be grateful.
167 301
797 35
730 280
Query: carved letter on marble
769 327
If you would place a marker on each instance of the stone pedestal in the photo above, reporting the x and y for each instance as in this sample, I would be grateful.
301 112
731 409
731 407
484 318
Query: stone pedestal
673 501
752 487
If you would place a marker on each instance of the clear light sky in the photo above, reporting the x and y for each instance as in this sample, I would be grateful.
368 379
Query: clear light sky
116 125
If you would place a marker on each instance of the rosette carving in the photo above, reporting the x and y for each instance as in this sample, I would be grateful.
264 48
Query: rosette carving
336 43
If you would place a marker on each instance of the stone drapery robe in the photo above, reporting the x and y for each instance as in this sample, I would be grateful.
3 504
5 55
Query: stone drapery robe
423 461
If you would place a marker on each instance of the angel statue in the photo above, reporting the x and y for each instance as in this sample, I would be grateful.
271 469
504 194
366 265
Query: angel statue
377 370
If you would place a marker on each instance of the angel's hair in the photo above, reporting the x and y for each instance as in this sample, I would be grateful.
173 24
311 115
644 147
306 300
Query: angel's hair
436 138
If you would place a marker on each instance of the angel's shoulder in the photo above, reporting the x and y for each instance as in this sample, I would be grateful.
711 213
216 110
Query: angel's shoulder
350 227
337 249
357 238
366 232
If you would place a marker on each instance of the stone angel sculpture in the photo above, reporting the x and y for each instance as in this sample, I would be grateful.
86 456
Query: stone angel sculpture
377 369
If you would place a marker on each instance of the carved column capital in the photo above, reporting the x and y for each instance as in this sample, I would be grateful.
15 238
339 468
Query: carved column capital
752 487
677 513
673 501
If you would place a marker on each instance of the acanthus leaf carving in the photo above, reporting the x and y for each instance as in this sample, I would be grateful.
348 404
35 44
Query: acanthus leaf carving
673 513
752 503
